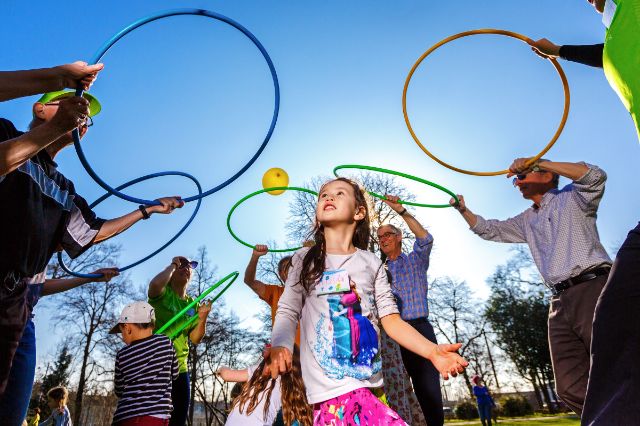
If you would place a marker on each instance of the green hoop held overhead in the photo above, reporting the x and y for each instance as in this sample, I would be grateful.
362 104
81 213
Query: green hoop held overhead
253 194
195 317
204 294
404 175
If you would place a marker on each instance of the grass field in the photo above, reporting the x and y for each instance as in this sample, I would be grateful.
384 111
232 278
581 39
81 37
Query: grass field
556 421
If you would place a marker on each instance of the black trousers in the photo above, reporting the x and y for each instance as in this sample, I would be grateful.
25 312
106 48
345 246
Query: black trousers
614 379
180 397
424 376
14 313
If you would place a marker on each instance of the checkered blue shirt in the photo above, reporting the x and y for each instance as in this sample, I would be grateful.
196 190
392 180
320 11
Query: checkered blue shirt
561 232
409 275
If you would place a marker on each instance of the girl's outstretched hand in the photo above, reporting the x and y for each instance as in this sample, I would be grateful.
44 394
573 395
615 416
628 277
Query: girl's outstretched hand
280 361
447 361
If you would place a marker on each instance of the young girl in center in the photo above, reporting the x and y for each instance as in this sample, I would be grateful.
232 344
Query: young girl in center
340 293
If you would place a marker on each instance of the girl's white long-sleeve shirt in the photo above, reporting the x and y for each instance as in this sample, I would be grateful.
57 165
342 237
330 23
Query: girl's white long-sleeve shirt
340 339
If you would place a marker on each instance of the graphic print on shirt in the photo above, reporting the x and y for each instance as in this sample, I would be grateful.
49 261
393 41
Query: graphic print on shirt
347 343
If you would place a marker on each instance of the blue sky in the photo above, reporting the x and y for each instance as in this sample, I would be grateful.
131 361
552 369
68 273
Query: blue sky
193 94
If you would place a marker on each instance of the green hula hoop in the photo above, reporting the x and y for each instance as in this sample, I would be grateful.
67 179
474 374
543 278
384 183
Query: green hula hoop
204 294
404 175
253 194
195 317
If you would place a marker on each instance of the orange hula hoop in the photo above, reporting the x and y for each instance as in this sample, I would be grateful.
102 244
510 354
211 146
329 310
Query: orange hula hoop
554 62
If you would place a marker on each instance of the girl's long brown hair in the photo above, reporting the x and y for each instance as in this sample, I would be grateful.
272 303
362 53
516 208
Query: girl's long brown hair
294 395
313 262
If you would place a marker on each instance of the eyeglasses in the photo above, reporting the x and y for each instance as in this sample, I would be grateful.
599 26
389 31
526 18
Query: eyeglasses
386 235
522 176
87 123
184 263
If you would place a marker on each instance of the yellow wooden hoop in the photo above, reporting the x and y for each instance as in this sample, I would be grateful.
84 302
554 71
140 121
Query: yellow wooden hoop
563 77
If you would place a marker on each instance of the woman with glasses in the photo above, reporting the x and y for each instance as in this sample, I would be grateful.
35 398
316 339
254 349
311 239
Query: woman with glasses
168 295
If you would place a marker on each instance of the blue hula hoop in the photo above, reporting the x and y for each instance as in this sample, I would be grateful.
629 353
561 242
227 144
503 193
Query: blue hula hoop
144 259
176 12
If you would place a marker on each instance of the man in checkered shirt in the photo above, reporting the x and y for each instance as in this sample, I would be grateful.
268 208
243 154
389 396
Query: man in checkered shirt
408 273
560 229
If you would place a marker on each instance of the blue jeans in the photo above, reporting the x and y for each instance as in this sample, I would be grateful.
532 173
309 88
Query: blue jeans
180 397
15 401
484 410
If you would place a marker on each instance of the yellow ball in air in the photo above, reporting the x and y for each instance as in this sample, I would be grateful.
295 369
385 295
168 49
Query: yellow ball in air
275 177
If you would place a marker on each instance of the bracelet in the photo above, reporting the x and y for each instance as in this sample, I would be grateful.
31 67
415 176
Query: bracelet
145 213
403 212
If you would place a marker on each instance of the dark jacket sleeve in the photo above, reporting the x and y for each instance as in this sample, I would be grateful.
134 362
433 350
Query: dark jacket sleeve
82 228
588 54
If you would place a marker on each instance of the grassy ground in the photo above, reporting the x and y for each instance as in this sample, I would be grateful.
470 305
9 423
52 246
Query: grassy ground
542 421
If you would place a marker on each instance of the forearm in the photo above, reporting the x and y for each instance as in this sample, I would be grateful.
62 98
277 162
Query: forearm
235 375
16 84
573 171
407 336
116 226
416 227
250 276
159 282
60 285
470 217
15 152
197 333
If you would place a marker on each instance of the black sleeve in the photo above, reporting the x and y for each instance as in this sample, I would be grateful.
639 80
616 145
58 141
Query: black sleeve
82 228
7 130
588 55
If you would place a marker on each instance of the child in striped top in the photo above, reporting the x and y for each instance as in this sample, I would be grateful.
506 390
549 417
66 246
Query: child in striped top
145 369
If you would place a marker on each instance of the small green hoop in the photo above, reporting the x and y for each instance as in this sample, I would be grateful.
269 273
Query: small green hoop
253 194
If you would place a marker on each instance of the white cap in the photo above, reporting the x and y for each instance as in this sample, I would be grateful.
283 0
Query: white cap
137 313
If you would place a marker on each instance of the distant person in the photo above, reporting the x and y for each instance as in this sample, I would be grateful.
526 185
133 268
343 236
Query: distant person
145 369
484 400
35 419
57 401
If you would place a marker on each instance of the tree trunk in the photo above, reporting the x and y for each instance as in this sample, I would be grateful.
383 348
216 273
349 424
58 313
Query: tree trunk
537 391
493 367
545 394
82 380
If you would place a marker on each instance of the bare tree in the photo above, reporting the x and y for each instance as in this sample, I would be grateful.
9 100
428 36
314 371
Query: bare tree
457 317
517 310
87 313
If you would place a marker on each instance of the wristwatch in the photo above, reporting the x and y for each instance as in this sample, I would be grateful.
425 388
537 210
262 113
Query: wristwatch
145 213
